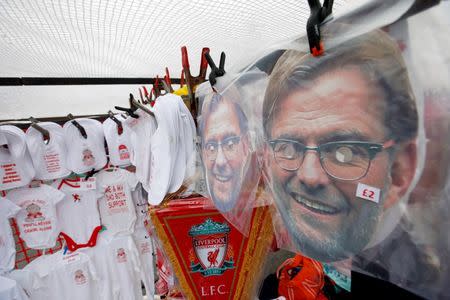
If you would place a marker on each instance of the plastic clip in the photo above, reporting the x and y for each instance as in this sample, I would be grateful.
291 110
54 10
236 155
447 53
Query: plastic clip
43 131
78 126
215 72
117 121
317 16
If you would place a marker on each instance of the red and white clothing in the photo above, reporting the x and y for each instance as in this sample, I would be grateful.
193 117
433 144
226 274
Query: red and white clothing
7 246
49 159
78 213
121 256
16 167
116 205
63 276
119 143
85 154
145 250
37 220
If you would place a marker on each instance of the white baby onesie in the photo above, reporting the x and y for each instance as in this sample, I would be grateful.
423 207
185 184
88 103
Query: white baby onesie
78 212
37 221
116 205
7 245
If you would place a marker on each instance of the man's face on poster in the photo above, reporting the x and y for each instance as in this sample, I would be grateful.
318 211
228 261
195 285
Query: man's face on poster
224 151
316 196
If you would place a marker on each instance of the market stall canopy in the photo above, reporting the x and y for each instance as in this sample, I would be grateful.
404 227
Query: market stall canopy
94 38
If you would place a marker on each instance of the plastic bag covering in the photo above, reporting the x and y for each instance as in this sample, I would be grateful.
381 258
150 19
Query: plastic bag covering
341 144
228 127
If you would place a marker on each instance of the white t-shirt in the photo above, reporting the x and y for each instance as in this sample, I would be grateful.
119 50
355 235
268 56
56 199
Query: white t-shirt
85 154
119 145
141 129
64 276
37 219
116 206
16 167
78 212
7 245
49 160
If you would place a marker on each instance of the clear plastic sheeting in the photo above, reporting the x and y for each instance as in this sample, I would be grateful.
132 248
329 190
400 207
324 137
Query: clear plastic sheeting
229 132
352 146
136 38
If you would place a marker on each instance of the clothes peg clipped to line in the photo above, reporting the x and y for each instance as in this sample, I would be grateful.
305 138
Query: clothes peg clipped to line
43 131
168 81
130 111
317 16
117 121
137 105
215 72
192 82
77 125
141 96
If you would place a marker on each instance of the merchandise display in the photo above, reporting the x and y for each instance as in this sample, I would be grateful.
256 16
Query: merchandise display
16 167
7 245
49 157
313 167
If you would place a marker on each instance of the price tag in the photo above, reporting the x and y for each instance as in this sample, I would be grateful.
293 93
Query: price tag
89 184
368 192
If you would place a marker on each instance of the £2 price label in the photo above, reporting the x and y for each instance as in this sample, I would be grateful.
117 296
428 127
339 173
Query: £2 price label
368 192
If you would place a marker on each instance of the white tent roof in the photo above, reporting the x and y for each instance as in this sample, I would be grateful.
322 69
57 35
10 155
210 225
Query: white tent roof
111 38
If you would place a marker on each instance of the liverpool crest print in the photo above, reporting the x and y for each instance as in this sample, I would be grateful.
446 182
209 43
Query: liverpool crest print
213 254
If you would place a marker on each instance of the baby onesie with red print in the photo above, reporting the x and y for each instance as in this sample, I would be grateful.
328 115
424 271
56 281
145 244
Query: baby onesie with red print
37 221
116 205
78 213
7 246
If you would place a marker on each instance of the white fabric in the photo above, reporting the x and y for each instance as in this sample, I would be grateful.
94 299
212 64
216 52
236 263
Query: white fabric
188 138
119 145
121 256
37 220
25 278
10 290
163 148
147 269
108 289
85 154
179 156
78 212
7 245
64 276
16 167
115 202
49 160
142 129
141 207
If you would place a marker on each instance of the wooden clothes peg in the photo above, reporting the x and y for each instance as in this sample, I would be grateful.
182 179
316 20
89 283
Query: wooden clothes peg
192 82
